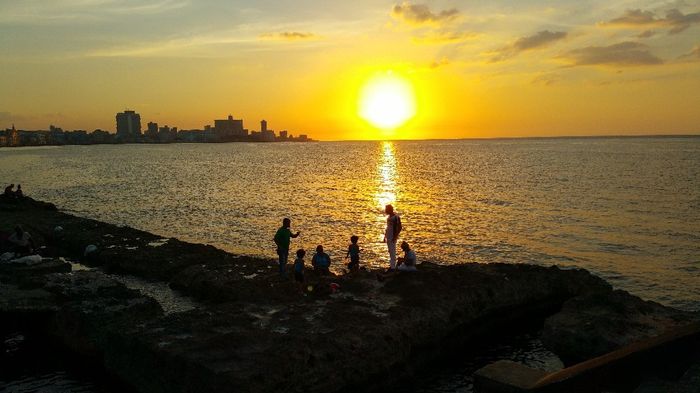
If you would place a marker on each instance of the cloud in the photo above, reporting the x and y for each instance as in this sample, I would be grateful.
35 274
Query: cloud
621 54
76 11
177 46
646 34
680 22
444 37
289 36
635 17
538 40
675 20
439 63
546 79
693 55
420 14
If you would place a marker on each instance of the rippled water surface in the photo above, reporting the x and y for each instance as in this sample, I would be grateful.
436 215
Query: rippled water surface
625 208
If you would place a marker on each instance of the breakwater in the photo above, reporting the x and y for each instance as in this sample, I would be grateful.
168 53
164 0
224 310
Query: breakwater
252 332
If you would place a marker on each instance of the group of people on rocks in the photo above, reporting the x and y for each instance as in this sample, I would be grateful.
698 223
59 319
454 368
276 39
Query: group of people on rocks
10 191
321 261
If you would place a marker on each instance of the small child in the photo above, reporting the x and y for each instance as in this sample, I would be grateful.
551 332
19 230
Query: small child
299 268
353 254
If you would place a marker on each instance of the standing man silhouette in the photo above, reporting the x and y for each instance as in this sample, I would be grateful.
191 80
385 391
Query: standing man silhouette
282 239
391 234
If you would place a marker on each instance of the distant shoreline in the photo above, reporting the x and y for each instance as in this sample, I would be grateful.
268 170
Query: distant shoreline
515 138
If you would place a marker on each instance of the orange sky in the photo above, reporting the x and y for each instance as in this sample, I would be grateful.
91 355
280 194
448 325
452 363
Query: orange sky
497 69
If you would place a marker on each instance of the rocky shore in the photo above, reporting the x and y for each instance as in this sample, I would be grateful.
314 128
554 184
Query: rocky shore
250 331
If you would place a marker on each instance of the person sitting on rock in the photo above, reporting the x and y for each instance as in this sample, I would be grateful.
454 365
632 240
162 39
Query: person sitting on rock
9 192
21 241
407 263
19 193
321 261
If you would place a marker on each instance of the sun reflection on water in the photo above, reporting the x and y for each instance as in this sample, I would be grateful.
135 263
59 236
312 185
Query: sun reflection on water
386 187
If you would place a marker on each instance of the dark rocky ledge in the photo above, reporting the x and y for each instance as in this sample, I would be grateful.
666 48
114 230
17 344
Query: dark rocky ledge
252 332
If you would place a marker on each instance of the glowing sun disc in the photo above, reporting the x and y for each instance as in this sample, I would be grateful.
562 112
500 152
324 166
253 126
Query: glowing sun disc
387 101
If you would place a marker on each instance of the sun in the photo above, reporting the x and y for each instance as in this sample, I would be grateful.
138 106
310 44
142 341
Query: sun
387 101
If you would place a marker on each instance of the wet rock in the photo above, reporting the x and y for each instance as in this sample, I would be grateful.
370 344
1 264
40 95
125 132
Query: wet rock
594 324
93 308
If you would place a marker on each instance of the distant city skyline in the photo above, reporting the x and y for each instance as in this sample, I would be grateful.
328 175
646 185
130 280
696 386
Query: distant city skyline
129 130
503 68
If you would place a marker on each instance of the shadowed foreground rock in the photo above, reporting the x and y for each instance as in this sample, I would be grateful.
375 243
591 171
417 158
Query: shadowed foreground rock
596 323
252 332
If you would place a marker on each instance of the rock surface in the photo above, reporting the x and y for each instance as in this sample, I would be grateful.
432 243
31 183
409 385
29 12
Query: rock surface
596 323
253 332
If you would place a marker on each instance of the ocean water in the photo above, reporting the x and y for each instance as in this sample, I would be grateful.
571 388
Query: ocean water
627 209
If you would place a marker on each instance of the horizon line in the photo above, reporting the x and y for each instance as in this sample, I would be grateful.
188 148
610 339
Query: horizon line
684 135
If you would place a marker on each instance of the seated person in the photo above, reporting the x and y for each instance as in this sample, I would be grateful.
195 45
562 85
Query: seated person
21 241
407 263
9 192
321 261
19 193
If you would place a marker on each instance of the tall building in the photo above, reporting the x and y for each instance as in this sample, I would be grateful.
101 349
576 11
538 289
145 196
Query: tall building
263 125
128 125
229 128
152 130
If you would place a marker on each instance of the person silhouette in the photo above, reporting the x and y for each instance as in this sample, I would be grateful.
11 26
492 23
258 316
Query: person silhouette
391 234
282 239
321 261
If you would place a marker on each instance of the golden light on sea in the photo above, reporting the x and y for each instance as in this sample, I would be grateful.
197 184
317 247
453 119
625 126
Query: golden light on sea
386 179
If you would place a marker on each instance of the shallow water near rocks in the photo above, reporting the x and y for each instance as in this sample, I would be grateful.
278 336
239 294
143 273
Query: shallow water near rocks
171 301
28 366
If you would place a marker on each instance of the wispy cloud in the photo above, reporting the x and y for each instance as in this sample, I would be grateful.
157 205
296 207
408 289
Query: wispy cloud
547 79
178 46
623 54
675 20
289 36
444 37
420 14
439 63
72 11
693 55
538 40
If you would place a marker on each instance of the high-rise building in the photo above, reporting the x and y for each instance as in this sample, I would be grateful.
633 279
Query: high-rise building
152 130
228 128
263 125
128 125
